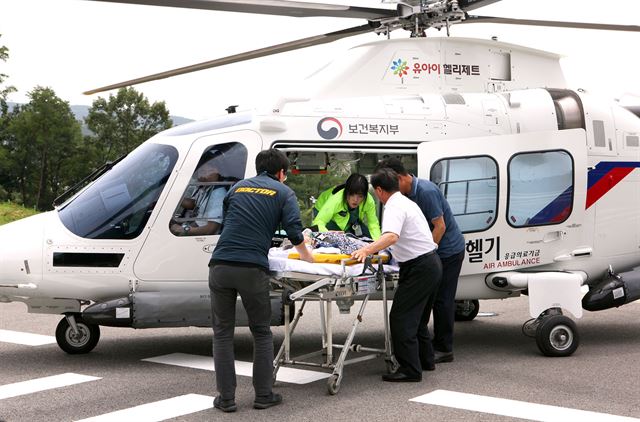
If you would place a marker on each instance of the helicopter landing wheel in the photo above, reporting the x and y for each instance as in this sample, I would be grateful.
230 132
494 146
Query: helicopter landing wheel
80 342
466 310
557 336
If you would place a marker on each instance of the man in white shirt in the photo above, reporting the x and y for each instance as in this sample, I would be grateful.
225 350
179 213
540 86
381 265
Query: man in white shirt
406 231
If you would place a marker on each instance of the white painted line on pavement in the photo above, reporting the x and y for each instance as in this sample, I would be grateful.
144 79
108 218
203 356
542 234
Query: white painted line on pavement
285 374
42 384
514 408
26 339
486 314
159 410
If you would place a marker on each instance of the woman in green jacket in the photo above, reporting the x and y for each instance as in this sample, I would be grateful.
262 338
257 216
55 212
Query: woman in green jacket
351 210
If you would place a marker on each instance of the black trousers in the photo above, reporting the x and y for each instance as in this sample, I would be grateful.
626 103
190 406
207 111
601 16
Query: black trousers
225 283
410 312
444 307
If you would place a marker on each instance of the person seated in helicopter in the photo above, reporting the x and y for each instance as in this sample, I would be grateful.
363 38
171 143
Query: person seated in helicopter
203 208
351 209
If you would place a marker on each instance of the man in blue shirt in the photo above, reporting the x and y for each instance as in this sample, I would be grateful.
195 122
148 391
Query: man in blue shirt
447 235
253 210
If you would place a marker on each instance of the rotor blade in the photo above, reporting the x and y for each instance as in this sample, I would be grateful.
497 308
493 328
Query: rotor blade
266 51
272 7
467 5
580 25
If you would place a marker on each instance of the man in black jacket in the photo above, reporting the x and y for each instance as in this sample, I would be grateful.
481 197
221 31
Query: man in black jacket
253 210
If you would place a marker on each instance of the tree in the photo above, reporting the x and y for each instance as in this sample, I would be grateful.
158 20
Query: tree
124 121
4 119
8 166
4 55
44 147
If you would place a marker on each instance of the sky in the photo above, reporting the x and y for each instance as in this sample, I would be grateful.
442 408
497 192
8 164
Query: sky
75 45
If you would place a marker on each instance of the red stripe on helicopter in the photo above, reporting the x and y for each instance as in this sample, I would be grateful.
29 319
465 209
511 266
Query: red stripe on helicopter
604 177
562 215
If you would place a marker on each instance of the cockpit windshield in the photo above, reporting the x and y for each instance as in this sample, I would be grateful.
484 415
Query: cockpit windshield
118 205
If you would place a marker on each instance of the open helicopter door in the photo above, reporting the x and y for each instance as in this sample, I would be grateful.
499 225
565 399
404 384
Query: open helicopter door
183 236
519 199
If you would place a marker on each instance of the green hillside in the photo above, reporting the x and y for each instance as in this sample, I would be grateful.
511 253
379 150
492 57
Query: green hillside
10 212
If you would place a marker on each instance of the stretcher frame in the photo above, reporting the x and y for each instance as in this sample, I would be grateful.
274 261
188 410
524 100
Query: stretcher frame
325 290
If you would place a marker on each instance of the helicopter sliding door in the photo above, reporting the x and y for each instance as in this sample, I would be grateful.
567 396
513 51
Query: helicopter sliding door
184 234
519 199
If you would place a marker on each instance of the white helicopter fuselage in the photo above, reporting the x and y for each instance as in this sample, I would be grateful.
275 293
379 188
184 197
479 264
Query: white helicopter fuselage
503 111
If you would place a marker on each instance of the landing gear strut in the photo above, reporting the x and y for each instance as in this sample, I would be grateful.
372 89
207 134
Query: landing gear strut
75 336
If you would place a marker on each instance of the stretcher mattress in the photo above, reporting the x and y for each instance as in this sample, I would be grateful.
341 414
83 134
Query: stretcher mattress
279 262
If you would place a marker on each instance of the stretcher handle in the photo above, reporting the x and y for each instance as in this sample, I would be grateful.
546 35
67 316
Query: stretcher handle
370 259
368 264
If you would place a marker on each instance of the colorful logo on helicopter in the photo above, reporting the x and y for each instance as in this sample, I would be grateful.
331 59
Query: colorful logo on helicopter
400 67
329 128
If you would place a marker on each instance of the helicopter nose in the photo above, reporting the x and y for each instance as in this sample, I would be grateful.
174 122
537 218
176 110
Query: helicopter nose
21 255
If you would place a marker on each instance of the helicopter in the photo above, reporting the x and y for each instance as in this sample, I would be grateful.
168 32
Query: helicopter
542 179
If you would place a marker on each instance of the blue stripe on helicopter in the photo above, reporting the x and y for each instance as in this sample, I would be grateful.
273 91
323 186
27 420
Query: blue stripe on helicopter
600 180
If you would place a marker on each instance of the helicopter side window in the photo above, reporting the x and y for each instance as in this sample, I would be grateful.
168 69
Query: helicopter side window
540 188
119 204
470 185
199 212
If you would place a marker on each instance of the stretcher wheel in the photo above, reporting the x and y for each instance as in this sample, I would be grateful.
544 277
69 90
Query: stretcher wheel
392 366
557 336
333 384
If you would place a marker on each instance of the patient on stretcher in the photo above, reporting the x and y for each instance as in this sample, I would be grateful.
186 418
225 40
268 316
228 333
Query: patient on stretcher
329 249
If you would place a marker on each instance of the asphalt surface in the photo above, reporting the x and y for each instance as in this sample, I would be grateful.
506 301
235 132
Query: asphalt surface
492 358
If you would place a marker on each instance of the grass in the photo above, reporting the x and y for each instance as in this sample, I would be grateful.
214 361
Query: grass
11 212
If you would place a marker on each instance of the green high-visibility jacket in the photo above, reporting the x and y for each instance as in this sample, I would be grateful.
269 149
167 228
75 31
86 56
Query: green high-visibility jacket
335 208
322 199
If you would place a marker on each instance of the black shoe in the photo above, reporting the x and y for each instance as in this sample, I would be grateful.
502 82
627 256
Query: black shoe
429 367
265 402
224 405
443 357
400 377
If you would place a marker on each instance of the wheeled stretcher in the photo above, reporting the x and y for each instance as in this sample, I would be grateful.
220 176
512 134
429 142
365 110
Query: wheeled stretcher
343 286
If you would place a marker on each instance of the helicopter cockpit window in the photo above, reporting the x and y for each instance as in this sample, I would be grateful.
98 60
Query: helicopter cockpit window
118 204
540 188
470 185
199 212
